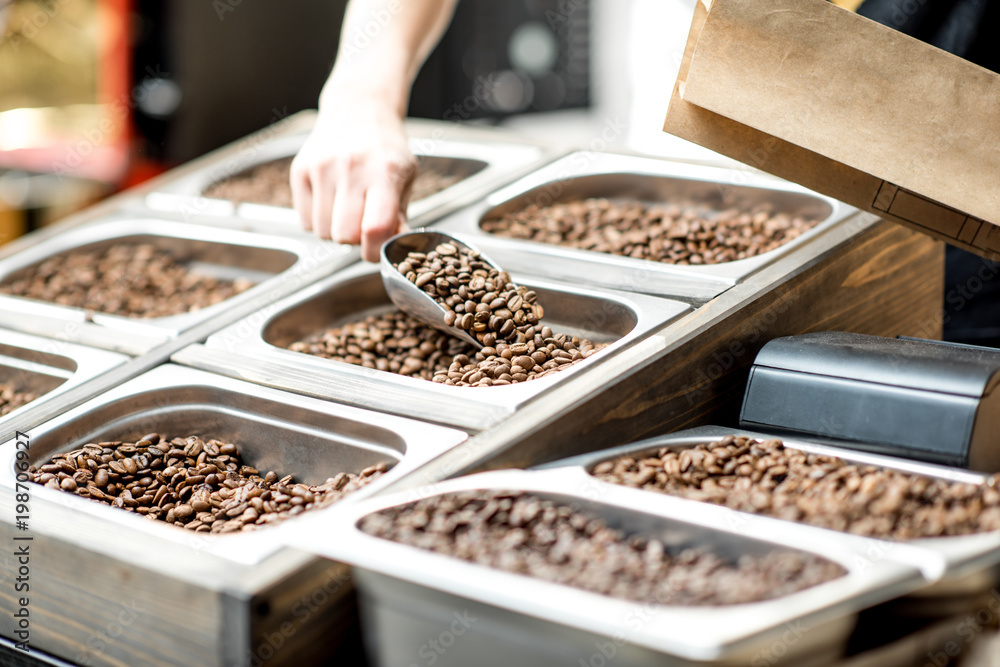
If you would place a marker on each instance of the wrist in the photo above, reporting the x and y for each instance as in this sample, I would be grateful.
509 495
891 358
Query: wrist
378 97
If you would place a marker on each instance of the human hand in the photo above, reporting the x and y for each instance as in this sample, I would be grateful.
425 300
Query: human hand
351 180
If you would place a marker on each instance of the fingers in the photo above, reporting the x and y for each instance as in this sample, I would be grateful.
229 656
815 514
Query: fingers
324 189
385 207
382 219
349 206
354 198
301 194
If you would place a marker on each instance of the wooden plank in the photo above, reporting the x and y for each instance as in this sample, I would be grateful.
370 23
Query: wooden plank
94 610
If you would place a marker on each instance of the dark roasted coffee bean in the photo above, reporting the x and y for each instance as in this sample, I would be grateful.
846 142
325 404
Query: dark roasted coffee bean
528 535
269 183
676 233
764 477
183 491
478 299
400 344
129 279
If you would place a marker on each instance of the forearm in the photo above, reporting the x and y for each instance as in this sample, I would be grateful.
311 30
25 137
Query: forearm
383 43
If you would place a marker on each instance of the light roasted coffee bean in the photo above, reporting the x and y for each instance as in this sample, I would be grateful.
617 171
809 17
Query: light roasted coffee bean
682 233
192 483
130 279
11 399
521 533
764 477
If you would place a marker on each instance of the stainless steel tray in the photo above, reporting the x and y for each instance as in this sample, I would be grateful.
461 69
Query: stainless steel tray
48 367
203 593
410 597
972 563
490 158
253 349
589 174
268 260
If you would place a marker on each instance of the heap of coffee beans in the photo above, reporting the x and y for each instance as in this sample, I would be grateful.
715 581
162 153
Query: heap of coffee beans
398 343
521 533
763 477
672 233
130 279
268 183
11 399
201 485
477 297
430 182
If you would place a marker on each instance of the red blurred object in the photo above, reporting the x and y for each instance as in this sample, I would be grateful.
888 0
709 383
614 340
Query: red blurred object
58 125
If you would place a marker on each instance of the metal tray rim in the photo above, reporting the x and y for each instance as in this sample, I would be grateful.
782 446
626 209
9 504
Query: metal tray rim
961 554
90 363
672 629
597 164
256 350
423 441
123 225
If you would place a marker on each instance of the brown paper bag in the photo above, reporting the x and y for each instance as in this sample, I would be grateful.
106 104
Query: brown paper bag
842 105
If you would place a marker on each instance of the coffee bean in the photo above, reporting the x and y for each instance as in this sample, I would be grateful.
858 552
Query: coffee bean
676 233
764 477
477 298
183 492
522 533
269 183
11 399
129 279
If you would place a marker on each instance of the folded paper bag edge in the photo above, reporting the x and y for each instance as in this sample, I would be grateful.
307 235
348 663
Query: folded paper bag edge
792 162
714 80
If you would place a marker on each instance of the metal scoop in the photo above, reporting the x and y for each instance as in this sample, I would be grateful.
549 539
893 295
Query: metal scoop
406 295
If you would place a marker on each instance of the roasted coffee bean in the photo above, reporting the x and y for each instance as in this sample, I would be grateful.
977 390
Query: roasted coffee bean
129 279
676 233
464 282
11 399
763 477
269 183
521 533
394 338
477 298
206 503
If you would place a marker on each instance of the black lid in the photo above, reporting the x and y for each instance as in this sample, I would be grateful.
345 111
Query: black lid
963 370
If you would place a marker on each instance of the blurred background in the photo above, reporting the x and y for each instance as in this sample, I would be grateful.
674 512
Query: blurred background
99 95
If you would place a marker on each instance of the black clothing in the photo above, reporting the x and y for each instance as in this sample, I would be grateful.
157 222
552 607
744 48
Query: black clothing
969 29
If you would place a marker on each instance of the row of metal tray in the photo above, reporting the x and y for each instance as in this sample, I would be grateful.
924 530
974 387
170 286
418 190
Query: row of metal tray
482 159
408 595
313 417
598 295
